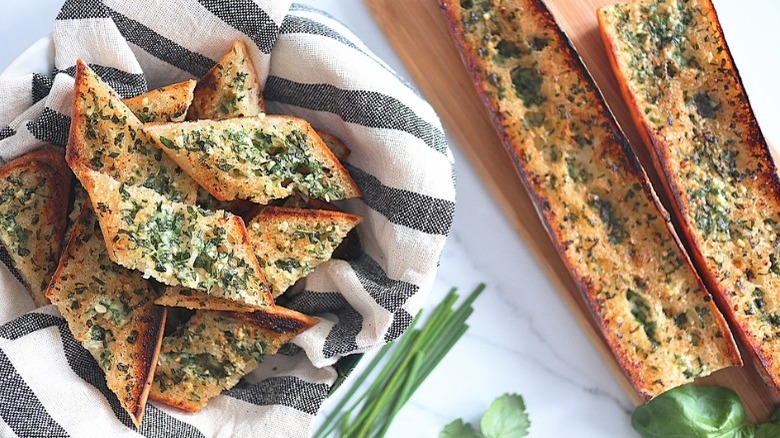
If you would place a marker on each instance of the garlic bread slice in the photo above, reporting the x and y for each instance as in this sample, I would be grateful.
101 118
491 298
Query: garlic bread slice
164 104
255 158
110 310
339 149
176 243
213 350
106 136
291 242
34 190
230 89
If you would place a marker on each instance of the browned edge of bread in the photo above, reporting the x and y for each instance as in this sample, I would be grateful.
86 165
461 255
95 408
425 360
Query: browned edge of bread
658 150
631 163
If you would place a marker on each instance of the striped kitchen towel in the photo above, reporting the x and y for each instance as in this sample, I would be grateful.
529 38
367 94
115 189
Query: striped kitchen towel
312 67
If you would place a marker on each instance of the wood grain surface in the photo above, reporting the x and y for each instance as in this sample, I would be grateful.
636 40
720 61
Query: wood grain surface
417 31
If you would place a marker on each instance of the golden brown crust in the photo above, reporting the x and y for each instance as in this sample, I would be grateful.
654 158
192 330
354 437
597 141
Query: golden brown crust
164 104
663 153
44 178
562 64
230 89
90 291
339 149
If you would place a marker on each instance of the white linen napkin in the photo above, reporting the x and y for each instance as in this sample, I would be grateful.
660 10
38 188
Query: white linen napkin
312 67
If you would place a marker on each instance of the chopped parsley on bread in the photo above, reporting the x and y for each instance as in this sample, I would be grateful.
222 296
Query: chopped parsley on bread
255 158
110 310
34 191
291 242
591 194
106 136
175 243
230 89
213 350
686 97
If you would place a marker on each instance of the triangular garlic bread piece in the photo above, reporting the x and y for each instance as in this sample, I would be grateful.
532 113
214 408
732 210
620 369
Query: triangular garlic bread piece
164 104
110 310
34 190
106 136
230 89
291 242
256 158
175 243
177 296
339 149
213 350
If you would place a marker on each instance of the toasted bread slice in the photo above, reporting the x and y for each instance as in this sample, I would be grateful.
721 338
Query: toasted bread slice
339 149
214 350
111 311
177 296
687 99
230 89
291 242
255 158
34 190
176 243
591 194
164 104
106 136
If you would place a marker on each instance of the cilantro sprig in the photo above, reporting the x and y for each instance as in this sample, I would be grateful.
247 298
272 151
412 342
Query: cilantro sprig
505 418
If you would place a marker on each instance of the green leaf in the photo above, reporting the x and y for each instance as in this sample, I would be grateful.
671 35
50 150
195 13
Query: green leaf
459 429
695 412
506 418
168 143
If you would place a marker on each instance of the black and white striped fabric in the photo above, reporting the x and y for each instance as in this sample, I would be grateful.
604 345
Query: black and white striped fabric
313 67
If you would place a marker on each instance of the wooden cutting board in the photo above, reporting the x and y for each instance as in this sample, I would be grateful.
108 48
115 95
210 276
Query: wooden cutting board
418 33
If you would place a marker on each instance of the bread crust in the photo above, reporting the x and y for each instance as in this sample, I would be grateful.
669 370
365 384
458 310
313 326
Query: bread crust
165 104
616 148
36 268
230 89
674 187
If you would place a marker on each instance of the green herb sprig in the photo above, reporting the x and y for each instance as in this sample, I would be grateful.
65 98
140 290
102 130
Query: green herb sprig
413 358
505 418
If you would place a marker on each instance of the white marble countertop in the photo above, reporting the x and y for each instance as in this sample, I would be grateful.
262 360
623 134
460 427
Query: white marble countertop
522 339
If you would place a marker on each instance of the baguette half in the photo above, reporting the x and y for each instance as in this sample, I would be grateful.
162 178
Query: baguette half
687 99
591 194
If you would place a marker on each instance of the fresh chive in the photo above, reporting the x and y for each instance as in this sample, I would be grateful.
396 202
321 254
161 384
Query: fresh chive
414 356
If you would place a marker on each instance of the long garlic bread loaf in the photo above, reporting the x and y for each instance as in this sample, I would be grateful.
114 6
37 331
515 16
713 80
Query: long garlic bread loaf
591 194
687 98
34 191
110 310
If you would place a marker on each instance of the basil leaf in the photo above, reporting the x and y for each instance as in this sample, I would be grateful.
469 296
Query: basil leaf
506 418
695 412
459 429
